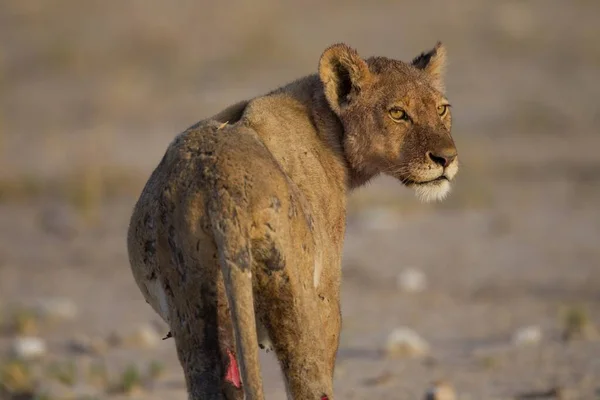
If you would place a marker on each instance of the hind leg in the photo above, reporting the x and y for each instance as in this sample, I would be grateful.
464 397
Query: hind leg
288 309
230 378
195 330
206 349
200 323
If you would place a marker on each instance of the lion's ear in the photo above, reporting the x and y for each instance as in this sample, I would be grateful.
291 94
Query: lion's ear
433 63
343 74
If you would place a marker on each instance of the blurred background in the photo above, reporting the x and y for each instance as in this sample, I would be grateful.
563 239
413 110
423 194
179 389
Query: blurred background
493 294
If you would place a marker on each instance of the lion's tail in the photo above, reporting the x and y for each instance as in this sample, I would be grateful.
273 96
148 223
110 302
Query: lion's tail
235 259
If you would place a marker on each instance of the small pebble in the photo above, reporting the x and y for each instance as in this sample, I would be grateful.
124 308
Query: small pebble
85 345
28 348
527 336
441 390
380 380
114 339
404 342
411 280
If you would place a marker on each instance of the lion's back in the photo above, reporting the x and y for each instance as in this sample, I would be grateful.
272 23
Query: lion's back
201 165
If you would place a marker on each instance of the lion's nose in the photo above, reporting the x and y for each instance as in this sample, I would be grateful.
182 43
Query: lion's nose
443 157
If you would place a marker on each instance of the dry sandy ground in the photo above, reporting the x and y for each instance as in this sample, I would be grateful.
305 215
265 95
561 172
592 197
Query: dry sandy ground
92 94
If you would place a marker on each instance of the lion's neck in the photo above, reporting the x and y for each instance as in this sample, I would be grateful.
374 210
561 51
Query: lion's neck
303 98
331 130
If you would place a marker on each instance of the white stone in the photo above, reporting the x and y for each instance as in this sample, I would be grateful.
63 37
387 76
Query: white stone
28 348
404 342
527 335
411 280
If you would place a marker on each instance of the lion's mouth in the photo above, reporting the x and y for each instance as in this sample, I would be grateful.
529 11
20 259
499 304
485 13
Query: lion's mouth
431 190
441 178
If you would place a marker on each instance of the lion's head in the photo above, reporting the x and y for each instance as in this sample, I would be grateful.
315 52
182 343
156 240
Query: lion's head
395 116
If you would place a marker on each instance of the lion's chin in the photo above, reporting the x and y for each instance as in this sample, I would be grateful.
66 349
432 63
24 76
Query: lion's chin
431 191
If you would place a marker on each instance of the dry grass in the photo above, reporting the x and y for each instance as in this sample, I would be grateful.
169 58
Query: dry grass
20 321
156 370
18 382
85 189
64 372
128 382
23 380
16 377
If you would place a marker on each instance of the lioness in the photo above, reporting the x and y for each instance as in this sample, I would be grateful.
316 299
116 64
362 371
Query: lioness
237 236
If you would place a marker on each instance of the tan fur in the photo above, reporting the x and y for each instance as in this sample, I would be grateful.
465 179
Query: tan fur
241 224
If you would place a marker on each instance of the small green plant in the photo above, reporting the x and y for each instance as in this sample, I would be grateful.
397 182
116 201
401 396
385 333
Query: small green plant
577 324
130 381
489 362
63 372
155 370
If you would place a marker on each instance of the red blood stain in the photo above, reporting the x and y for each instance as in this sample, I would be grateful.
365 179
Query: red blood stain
233 372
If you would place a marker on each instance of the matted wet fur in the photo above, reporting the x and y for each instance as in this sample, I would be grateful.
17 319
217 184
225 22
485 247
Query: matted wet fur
237 236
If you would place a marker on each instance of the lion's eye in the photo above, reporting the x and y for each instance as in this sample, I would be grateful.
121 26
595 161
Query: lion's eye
442 110
398 114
